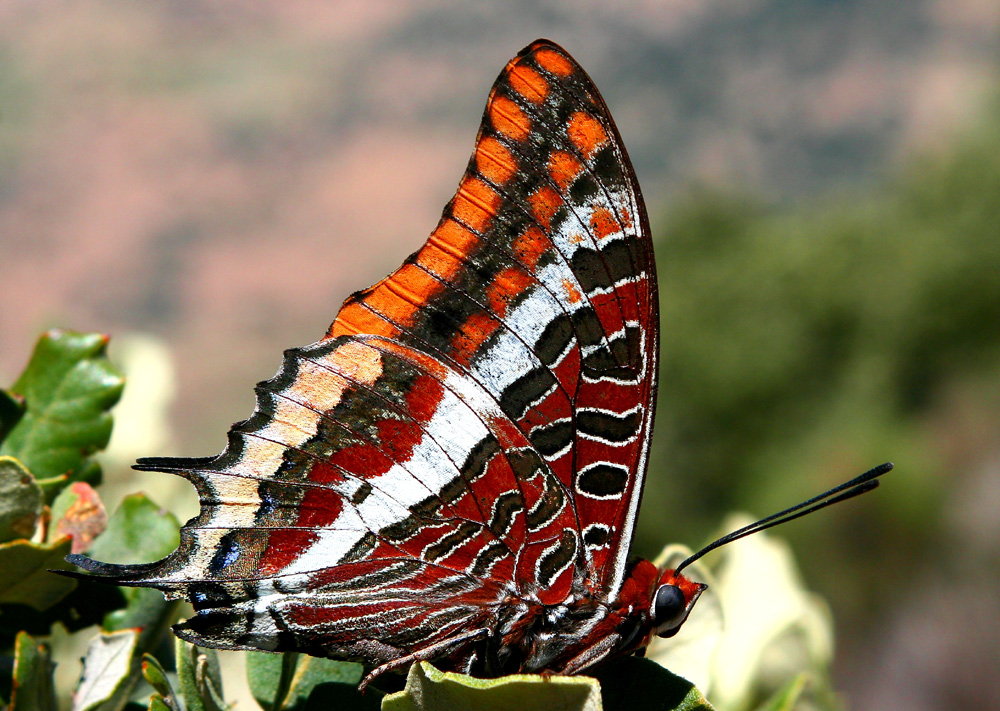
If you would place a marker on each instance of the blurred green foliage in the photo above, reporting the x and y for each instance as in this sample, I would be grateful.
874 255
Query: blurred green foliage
802 344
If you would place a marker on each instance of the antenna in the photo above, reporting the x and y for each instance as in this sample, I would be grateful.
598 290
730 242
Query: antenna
848 490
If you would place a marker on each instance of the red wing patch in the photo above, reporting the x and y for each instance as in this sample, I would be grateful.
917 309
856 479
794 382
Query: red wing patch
467 444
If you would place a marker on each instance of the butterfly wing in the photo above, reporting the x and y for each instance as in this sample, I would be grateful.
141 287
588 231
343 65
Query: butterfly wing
472 429
544 290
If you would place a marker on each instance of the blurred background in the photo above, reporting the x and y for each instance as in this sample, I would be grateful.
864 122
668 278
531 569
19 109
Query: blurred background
208 181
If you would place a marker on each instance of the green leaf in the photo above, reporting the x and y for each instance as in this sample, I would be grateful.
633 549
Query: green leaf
154 673
269 676
146 609
428 689
324 683
68 388
297 682
199 677
33 687
138 531
634 682
24 576
20 501
158 703
110 670
11 409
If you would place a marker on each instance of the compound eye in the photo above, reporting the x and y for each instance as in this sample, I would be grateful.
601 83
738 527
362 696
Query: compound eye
669 610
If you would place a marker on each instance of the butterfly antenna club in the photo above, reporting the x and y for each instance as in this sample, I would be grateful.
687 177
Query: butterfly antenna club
848 490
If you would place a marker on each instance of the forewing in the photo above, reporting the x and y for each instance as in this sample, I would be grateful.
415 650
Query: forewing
542 287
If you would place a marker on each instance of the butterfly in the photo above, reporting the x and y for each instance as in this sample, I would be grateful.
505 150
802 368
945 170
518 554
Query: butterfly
453 472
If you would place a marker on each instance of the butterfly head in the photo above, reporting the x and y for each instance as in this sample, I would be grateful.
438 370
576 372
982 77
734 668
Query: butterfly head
672 602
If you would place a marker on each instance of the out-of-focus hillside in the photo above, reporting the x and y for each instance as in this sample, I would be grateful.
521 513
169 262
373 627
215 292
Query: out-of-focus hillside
225 178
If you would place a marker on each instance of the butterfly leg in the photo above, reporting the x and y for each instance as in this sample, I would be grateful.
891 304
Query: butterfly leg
424 654
593 654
